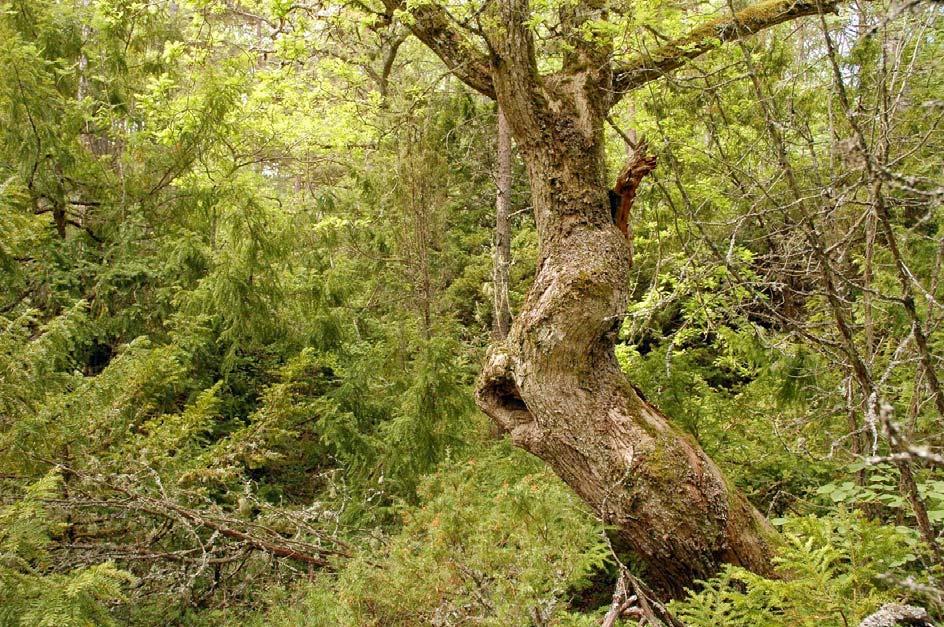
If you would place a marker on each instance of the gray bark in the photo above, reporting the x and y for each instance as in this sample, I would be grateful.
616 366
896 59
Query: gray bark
501 307
554 385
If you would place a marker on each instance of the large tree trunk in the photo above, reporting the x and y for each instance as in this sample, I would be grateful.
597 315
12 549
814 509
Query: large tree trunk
554 385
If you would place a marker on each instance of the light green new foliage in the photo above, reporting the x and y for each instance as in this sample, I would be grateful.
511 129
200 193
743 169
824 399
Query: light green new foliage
831 570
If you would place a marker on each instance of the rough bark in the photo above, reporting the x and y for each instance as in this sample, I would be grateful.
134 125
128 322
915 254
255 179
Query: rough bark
556 388
554 384
893 614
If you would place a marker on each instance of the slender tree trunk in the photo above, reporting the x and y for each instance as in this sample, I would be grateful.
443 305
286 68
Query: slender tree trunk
501 309
59 218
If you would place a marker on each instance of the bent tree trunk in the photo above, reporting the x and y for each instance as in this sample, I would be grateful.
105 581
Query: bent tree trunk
555 387
553 384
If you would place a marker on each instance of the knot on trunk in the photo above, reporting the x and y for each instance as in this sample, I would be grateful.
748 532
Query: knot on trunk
498 395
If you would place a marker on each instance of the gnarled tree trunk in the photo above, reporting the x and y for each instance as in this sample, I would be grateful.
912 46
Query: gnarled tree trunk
555 387
553 384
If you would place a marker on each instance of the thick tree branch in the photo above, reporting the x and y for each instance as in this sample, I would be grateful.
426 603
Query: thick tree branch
649 66
431 25
518 85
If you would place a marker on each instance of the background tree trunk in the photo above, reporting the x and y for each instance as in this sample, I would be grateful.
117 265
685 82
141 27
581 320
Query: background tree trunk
501 308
